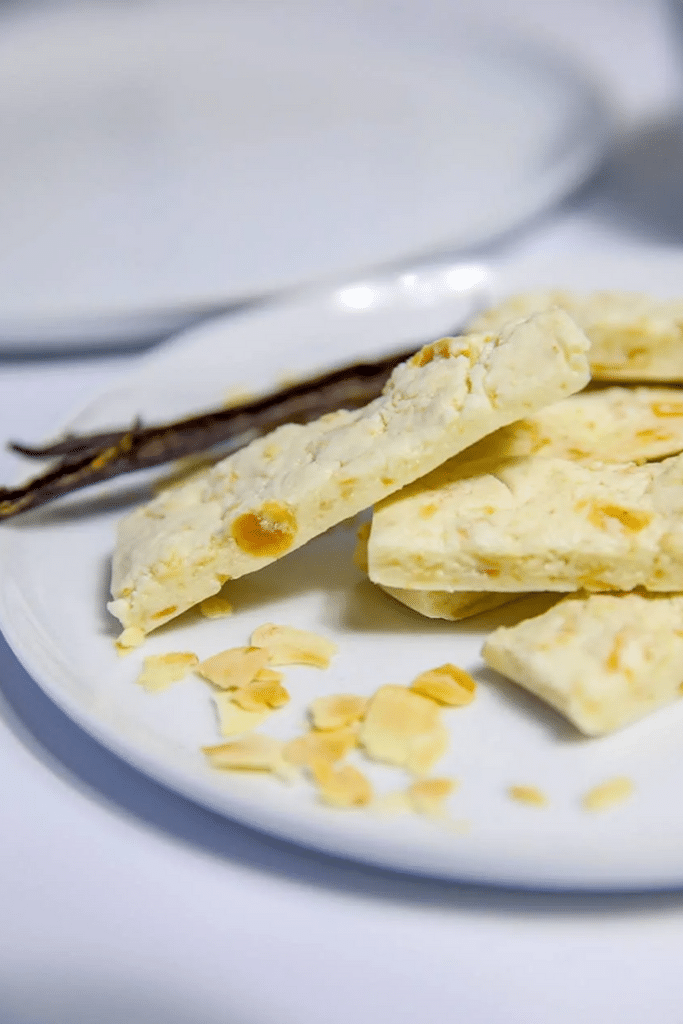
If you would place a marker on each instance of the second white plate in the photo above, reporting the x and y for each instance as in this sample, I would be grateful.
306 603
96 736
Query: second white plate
162 159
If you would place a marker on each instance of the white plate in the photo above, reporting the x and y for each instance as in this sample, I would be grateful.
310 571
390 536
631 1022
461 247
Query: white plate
165 158
53 589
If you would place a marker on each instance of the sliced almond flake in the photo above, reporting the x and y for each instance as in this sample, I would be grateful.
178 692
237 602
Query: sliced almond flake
159 671
234 720
402 727
290 646
341 787
215 607
257 695
427 796
446 684
235 667
528 795
254 752
608 793
328 746
426 750
129 639
269 675
337 710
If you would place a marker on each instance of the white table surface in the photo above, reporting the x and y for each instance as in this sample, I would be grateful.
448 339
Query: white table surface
121 902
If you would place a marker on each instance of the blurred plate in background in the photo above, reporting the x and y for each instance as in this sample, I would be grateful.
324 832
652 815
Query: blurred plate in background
161 160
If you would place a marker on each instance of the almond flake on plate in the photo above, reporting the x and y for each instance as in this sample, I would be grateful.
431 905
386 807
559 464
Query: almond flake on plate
261 694
316 745
234 720
427 796
337 710
254 752
446 684
287 645
403 728
160 671
235 667
341 787
604 796
528 795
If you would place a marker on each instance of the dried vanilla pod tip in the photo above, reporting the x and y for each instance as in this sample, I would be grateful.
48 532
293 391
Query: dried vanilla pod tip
447 685
280 491
234 720
633 336
160 671
287 645
602 660
235 667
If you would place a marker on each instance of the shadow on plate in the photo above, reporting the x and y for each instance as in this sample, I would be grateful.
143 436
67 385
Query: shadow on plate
74 996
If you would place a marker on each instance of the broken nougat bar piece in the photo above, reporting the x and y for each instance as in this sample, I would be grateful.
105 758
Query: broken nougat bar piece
633 336
434 604
613 424
534 524
603 660
283 489
618 424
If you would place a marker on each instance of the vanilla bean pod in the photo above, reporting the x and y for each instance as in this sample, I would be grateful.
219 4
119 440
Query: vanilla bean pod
91 458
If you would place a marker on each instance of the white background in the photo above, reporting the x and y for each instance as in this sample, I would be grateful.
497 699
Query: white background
120 902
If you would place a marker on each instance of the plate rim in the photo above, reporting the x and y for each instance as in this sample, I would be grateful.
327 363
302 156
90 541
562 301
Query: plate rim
325 839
